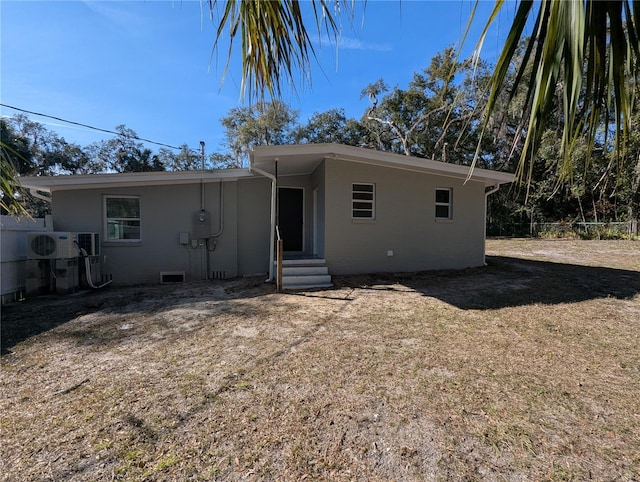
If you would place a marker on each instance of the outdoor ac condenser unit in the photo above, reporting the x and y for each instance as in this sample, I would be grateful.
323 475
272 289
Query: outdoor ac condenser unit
51 245
90 242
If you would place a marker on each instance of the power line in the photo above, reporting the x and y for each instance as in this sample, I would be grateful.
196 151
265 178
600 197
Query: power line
87 126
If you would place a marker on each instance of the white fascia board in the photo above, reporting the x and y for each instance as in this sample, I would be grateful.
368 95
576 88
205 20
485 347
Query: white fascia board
379 158
418 164
88 181
428 166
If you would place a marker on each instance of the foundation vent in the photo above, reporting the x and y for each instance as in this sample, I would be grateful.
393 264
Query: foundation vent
172 277
219 274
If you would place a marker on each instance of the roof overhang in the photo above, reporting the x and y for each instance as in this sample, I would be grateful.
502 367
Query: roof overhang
302 159
129 179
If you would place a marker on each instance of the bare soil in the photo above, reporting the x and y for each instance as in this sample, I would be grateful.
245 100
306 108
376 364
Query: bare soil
526 369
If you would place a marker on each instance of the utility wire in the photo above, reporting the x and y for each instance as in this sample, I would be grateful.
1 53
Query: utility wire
88 126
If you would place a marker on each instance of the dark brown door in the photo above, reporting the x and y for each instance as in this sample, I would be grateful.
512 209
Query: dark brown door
290 217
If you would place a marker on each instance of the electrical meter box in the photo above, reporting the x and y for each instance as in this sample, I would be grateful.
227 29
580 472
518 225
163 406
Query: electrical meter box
201 225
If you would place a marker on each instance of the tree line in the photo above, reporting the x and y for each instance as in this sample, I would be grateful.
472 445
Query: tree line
439 115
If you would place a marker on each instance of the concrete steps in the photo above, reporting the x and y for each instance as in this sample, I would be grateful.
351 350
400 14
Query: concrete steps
302 274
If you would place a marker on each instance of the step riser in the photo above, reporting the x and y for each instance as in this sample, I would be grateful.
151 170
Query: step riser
306 279
303 262
304 270
301 274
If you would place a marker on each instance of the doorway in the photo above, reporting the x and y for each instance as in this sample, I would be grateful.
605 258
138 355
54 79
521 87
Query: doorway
291 217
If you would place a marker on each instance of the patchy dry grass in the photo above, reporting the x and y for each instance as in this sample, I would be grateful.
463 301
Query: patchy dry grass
527 369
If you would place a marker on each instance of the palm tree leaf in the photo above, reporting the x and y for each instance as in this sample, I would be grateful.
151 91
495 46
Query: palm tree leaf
275 43
589 49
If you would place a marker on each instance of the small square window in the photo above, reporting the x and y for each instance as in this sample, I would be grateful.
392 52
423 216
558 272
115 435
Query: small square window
444 203
122 218
362 201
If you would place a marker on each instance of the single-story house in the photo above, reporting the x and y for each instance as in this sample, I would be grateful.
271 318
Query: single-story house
352 210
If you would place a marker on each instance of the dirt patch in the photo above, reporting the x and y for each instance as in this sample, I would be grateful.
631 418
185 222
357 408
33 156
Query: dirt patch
527 369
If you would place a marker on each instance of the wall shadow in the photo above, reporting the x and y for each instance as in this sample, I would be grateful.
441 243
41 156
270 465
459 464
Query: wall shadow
504 282
26 319
22 320
510 282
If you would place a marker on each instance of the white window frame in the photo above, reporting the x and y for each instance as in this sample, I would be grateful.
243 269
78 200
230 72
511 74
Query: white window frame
106 237
356 197
448 205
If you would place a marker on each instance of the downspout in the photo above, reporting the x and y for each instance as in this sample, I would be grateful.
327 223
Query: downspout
491 190
272 235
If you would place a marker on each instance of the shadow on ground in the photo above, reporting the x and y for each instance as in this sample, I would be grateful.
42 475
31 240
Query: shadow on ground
23 320
504 282
509 282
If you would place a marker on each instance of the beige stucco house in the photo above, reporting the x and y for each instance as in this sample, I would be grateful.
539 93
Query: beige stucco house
346 209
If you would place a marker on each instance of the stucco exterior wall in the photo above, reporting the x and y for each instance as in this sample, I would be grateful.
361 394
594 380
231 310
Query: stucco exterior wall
405 236
318 184
254 225
165 212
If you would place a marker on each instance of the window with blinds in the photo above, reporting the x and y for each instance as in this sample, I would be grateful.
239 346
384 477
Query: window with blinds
122 218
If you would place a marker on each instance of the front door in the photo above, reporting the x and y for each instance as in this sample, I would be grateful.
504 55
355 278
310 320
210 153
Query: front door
290 217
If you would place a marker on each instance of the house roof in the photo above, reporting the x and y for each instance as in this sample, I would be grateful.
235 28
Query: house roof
304 158
129 179
297 159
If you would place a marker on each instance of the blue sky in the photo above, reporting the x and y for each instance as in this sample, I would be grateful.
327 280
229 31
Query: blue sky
150 64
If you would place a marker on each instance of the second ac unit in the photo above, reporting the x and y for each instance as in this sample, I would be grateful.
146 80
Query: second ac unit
90 242
51 245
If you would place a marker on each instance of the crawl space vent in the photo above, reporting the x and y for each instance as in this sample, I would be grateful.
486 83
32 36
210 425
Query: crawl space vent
172 277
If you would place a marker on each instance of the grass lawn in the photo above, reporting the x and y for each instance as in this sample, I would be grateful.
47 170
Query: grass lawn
526 369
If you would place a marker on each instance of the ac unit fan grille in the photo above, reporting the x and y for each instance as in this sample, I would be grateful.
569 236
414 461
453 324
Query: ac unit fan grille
43 245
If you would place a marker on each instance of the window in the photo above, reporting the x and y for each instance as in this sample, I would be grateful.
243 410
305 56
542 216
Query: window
443 203
362 201
122 218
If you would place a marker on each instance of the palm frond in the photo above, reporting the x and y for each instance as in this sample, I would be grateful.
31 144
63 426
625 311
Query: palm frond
275 43
10 186
587 48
